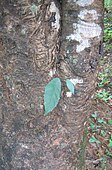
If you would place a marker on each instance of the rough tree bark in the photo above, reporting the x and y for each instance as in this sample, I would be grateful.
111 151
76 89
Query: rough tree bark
81 48
38 40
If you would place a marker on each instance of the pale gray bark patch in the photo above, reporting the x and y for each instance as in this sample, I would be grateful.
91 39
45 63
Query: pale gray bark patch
77 80
84 2
88 14
85 31
55 10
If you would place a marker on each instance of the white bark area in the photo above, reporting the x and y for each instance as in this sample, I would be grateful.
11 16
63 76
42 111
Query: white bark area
85 29
84 2
83 32
54 9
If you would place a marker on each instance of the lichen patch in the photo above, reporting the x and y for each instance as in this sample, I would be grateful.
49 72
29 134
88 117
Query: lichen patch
54 10
84 2
84 32
84 44
88 15
87 29
69 94
52 72
76 81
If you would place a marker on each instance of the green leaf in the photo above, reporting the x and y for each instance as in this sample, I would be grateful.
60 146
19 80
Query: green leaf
94 115
110 143
92 126
101 121
108 153
94 140
103 133
34 9
110 122
103 162
52 95
70 86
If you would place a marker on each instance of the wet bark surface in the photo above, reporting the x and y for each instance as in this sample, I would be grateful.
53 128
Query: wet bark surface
29 46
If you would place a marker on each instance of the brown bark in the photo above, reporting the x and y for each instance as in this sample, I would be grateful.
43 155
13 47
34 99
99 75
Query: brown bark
29 50
82 37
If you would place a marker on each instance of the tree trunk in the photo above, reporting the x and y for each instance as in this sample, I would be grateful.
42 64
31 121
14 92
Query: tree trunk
81 48
36 45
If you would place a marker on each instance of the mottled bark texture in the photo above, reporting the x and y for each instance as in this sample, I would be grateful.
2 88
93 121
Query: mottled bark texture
33 46
81 48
